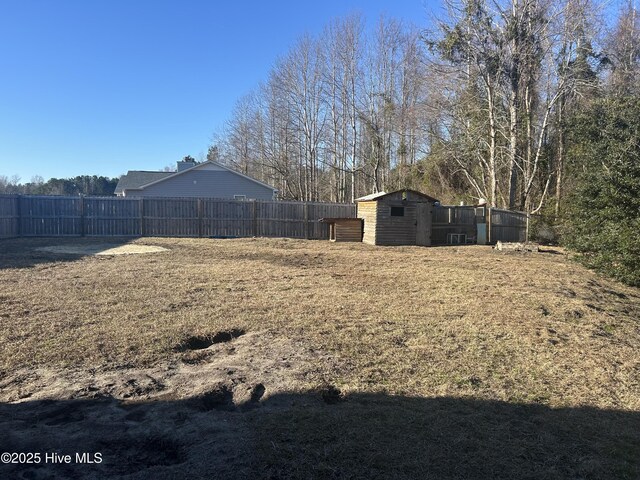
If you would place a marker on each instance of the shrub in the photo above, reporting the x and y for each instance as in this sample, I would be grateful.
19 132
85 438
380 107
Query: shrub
603 215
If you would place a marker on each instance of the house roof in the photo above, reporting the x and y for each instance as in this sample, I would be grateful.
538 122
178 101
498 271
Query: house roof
377 196
138 178
166 175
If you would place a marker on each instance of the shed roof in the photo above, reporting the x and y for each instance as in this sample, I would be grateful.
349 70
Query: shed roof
371 196
379 195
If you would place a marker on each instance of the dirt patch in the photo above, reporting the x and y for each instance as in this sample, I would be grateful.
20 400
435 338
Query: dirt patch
150 420
259 364
203 342
101 249
220 398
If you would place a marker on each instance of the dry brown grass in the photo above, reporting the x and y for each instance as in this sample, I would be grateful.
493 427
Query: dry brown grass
418 323
414 321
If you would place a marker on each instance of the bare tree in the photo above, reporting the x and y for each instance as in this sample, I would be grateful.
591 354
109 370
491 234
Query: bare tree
623 48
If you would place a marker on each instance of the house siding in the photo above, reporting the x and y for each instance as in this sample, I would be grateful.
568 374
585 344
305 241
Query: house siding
205 183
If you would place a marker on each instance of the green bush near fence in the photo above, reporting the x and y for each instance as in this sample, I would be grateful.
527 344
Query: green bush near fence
603 218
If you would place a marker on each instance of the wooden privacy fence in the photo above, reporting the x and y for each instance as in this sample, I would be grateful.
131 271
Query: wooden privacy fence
9 215
507 226
33 216
499 225
448 220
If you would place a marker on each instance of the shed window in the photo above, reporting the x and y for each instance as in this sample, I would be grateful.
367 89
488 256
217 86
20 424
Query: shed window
239 197
397 211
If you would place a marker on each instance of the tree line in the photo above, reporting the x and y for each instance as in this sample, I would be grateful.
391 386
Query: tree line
79 185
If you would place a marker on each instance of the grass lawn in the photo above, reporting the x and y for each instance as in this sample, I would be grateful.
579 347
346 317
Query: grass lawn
278 358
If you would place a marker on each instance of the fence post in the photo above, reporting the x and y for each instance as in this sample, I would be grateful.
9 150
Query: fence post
526 235
489 239
141 208
82 216
306 220
200 218
254 218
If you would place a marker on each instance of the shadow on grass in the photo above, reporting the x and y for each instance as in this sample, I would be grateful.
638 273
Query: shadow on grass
26 252
322 437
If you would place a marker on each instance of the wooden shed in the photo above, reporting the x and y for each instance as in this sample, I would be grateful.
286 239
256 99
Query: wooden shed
344 229
397 218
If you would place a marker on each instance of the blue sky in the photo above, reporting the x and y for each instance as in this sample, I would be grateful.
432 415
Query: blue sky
102 86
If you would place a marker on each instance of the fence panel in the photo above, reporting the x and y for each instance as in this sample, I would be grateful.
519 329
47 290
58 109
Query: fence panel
227 218
280 219
9 216
111 216
42 216
452 220
171 217
508 226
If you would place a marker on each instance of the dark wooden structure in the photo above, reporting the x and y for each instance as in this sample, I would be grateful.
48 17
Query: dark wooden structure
396 218
344 229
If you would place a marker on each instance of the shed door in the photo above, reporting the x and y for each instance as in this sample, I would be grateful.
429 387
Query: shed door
423 224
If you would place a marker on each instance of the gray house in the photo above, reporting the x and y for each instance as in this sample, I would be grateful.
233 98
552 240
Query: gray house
208 179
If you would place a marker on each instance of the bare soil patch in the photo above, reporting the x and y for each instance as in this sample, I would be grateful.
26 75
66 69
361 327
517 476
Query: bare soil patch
285 359
202 342
102 249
